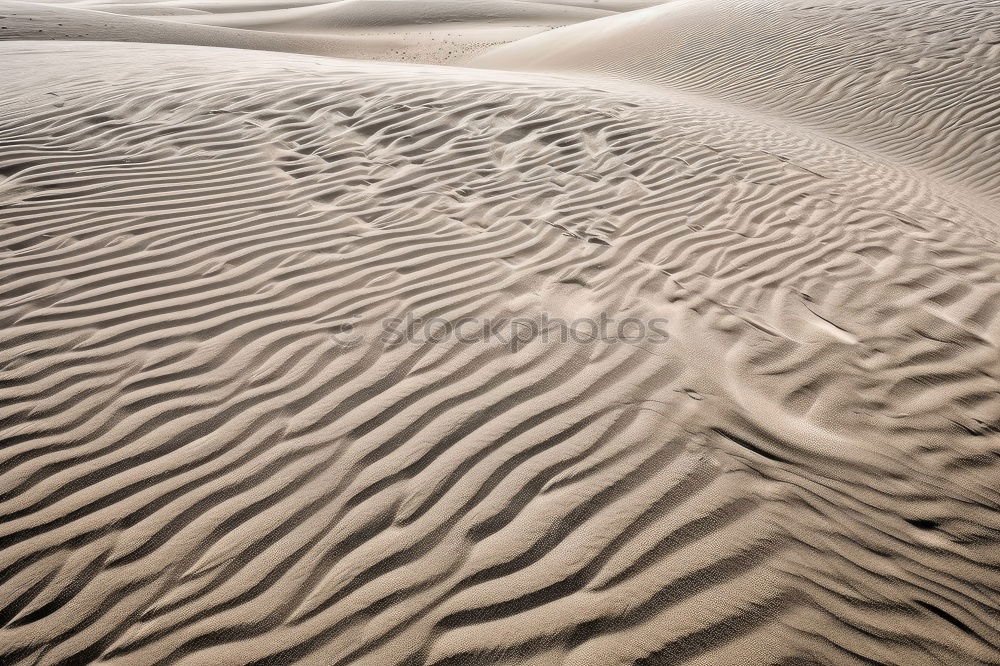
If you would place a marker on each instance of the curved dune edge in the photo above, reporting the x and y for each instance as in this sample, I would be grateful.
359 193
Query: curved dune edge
34 21
369 14
919 79
196 465
395 36
438 32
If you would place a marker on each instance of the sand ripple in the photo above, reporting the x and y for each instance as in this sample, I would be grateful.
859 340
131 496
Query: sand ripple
196 469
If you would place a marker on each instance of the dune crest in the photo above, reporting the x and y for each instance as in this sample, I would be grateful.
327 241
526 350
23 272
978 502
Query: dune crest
918 79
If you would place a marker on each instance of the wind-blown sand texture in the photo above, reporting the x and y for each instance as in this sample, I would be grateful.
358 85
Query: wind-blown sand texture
195 468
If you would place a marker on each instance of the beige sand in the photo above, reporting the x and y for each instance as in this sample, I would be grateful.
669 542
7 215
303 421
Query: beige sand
442 31
209 209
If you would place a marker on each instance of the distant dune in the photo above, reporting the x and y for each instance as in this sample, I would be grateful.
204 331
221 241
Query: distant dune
213 213
442 31
362 14
916 78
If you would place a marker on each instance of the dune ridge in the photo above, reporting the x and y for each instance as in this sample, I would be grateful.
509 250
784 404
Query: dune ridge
916 78
208 455
437 32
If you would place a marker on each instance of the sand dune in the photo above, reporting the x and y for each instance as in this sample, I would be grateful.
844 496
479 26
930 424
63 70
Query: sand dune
367 14
437 32
916 78
31 21
209 454
154 7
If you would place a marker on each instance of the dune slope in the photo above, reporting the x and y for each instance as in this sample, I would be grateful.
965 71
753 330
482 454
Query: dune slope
361 14
209 455
29 21
919 79
444 31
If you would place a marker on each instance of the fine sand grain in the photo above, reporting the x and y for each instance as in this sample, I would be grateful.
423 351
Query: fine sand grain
209 454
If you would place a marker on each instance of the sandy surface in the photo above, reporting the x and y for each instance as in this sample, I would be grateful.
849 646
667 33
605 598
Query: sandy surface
209 454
